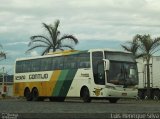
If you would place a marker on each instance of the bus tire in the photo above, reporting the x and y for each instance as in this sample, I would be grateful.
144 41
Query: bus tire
27 94
85 95
35 94
113 100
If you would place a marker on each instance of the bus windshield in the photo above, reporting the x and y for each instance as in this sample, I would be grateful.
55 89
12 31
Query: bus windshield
123 73
123 69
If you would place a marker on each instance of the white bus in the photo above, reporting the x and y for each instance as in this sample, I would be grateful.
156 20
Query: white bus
90 74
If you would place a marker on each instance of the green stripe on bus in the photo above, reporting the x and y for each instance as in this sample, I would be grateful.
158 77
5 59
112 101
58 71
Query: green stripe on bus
59 83
67 82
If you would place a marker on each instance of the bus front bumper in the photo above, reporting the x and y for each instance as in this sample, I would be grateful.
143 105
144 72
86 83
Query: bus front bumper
125 93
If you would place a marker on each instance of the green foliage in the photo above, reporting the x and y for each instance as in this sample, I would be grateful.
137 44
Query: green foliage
133 47
2 54
147 45
143 46
53 41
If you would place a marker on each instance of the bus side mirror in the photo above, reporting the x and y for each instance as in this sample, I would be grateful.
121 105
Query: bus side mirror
107 64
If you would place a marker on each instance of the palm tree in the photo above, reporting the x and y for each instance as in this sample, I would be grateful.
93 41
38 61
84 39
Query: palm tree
53 41
2 54
145 47
133 48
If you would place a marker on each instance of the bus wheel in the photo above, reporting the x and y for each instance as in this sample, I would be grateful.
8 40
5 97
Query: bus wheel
35 94
156 95
85 95
113 100
27 94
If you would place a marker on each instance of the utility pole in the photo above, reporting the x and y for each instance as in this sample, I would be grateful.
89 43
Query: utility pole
3 82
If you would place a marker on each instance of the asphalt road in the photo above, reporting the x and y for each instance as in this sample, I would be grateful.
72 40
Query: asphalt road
76 109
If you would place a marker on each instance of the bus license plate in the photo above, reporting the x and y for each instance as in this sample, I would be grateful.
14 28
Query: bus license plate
124 94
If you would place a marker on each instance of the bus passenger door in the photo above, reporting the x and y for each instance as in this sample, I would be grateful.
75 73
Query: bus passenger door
98 68
101 73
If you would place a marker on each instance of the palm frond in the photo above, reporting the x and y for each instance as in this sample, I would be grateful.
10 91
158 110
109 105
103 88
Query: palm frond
55 31
67 46
53 41
56 25
3 54
46 50
147 45
41 38
37 46
127 48
70 37
42 41
48 28
155 44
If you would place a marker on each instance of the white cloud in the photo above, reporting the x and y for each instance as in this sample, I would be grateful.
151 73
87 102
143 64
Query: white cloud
34 53
16 43
80 14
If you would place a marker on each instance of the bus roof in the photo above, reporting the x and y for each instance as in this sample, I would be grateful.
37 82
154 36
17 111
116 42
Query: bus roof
68 52
53 54
108 50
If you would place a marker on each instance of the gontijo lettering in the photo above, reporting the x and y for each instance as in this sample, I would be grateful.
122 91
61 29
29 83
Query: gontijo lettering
38 76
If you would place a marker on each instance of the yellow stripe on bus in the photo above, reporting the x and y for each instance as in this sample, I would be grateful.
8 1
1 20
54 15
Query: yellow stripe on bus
45 88
53 81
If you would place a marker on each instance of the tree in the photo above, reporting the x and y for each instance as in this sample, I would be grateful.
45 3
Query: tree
2 54
133 48
53 41
146 46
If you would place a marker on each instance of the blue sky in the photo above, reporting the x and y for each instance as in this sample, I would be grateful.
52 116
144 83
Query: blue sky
96 23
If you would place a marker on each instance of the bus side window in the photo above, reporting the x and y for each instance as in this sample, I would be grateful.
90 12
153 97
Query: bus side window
26 66
33 68
67 62
70 62
73 62
59 62
84 60
42 64
48 64
18 66
54 64
45 64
